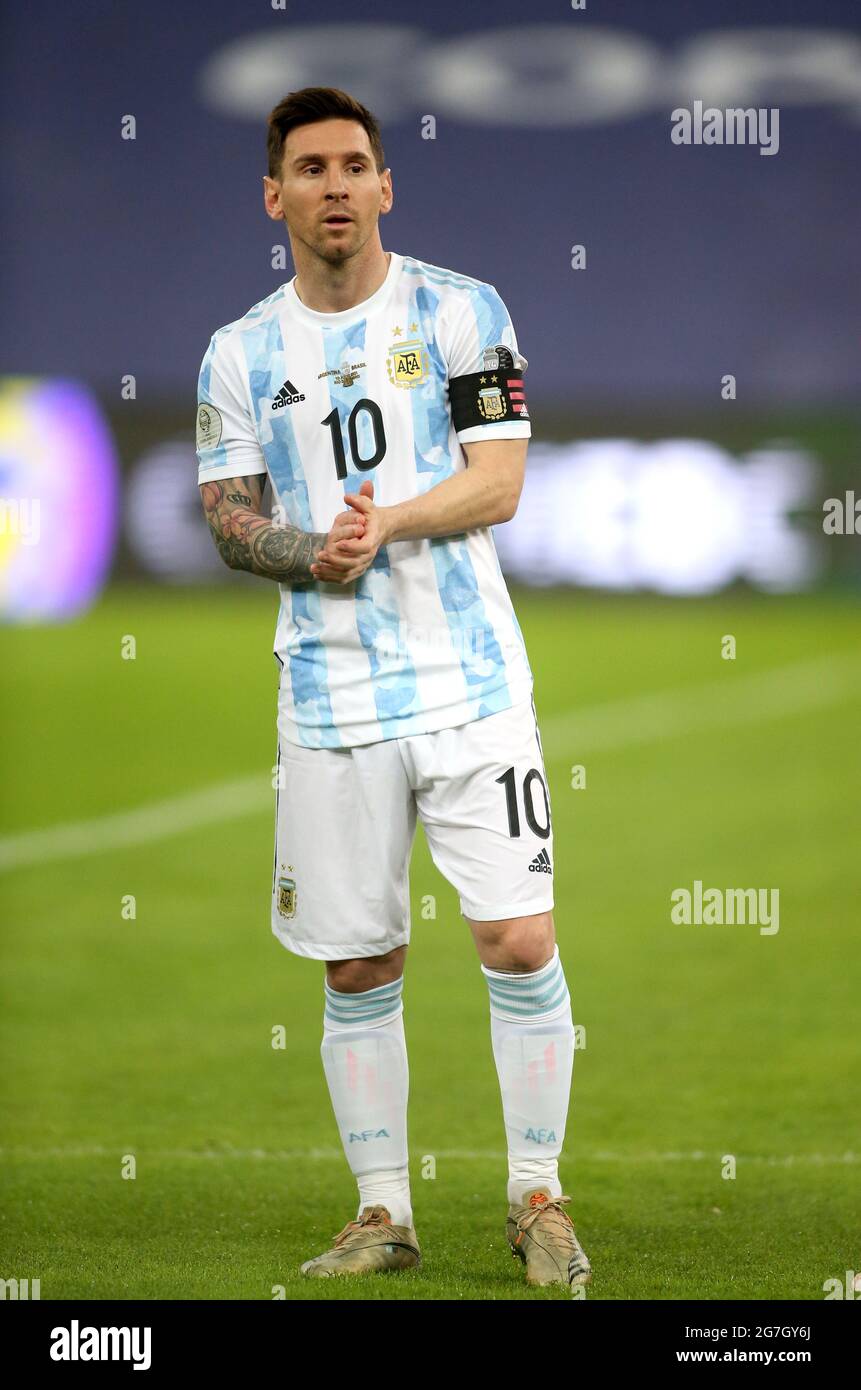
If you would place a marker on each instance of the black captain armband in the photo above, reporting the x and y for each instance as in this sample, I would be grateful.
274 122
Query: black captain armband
492 395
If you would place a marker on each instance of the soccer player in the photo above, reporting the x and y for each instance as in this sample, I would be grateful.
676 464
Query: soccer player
393 386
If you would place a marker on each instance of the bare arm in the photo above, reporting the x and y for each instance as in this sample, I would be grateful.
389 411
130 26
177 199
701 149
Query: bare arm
248 540
485 493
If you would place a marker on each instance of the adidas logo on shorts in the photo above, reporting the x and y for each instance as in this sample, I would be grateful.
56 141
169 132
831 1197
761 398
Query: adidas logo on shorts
541 864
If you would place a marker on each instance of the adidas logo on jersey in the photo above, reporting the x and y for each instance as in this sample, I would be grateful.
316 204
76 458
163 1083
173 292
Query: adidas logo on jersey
288 395
541 864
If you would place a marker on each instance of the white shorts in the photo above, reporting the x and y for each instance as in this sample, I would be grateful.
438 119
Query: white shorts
346 818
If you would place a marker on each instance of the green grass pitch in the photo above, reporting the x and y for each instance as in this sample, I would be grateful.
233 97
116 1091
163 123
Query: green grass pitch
152 1037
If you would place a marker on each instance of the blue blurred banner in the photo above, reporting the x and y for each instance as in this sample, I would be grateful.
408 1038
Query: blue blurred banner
552 129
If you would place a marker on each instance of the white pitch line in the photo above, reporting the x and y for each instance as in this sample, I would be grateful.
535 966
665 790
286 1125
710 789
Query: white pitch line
733 700
160 819
470 1155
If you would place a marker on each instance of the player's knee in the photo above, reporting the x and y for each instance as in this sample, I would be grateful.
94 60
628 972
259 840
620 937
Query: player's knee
523 943
365 972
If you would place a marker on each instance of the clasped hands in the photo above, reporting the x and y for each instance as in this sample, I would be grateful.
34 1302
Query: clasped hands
353 541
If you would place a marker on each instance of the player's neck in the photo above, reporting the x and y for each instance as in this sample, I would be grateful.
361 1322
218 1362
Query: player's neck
329 289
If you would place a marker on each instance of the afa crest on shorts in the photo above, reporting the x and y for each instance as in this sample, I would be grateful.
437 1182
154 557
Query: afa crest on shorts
408 364
287 897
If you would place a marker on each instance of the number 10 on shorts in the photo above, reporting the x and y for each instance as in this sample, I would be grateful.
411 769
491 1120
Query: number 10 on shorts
509 782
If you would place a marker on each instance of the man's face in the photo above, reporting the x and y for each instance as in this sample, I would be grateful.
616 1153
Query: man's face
330 193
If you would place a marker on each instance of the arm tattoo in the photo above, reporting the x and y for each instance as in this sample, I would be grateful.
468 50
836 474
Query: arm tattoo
245 540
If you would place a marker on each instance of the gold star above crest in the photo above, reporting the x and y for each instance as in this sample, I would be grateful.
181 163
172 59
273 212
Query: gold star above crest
494 378
396 332
483 380
414 328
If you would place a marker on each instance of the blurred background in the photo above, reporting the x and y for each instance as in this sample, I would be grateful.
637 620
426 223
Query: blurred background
551 145
690 316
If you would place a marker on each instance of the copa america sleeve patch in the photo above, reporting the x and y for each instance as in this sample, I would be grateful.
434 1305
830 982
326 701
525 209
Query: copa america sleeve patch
493 394
209 426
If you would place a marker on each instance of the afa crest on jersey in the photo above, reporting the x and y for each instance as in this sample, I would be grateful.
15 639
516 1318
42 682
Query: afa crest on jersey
408 364
287 897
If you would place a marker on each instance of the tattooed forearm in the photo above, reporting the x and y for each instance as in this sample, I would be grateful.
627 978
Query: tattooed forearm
245 540
284 549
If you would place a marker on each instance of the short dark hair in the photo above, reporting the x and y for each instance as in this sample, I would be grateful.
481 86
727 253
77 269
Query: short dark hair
317 104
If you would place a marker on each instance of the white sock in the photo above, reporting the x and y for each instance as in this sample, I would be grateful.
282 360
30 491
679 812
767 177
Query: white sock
364 1055
533 1046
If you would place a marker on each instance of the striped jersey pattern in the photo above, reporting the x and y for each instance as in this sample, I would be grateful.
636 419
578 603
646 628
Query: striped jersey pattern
427 638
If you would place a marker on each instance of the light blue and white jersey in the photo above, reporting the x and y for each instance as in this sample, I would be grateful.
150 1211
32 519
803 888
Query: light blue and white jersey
427 638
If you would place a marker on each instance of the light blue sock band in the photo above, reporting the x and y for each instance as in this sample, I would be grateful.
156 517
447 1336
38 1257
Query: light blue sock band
529 996
371 1006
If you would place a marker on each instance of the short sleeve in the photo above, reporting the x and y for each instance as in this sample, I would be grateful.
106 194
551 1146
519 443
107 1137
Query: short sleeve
227 443
477 323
